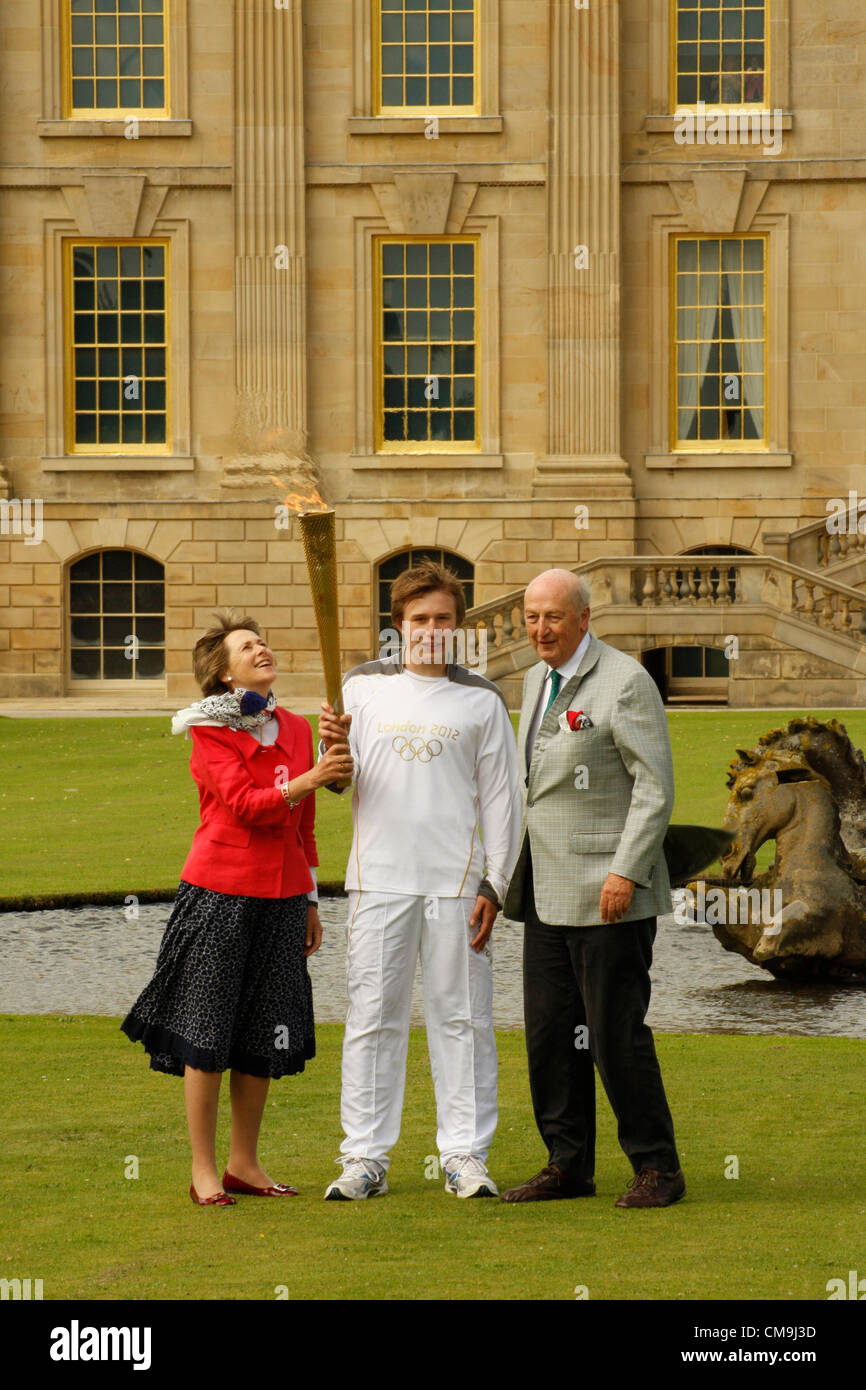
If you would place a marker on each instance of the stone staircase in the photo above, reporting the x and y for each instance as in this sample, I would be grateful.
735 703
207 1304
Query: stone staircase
799 631
839 555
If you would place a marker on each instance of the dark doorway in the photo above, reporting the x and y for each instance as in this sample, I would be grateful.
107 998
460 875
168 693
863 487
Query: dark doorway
654 662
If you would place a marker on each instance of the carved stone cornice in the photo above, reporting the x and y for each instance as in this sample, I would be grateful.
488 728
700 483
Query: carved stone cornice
719 201
114 204
429 203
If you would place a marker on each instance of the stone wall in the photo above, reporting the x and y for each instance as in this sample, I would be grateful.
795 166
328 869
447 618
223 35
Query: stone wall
274 372
235 555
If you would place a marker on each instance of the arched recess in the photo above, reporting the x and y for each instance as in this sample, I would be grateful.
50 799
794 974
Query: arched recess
388 569
115 620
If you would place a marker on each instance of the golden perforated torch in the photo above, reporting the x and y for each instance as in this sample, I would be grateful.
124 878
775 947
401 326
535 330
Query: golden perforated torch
318 533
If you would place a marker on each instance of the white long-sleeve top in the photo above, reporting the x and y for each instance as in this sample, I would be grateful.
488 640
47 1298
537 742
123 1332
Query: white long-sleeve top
436 800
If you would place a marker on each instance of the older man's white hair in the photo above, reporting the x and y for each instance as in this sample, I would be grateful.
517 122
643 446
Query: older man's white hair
573 586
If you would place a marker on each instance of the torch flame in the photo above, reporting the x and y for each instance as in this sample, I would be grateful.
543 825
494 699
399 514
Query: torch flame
297 502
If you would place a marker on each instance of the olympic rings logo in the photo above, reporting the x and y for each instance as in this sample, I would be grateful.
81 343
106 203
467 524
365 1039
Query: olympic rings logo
411 748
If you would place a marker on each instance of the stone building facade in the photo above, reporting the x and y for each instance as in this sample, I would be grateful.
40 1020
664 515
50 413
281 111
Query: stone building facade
492 271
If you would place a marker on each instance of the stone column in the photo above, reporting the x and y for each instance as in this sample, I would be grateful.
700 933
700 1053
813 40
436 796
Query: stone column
584 299
270 262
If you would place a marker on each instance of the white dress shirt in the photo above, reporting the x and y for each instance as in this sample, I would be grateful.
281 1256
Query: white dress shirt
566 670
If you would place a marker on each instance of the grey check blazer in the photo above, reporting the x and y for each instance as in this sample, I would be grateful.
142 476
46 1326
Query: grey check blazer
597 800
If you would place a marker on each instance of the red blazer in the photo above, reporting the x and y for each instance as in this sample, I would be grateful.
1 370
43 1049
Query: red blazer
249 843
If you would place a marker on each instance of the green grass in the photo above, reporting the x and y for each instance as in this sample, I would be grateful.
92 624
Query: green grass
80 1100
109 805
127 825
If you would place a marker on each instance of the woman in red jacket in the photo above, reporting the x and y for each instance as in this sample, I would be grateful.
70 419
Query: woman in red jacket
231 987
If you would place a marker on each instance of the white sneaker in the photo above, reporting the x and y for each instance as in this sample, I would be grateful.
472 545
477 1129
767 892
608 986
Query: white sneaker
468 1177
361 1177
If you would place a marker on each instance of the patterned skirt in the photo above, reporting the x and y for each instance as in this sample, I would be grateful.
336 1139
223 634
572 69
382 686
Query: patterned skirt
230 989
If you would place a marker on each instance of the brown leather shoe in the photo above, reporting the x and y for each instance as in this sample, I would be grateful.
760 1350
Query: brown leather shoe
549 1185
650 1188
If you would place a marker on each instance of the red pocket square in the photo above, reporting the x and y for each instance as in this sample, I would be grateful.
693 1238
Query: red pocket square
577 720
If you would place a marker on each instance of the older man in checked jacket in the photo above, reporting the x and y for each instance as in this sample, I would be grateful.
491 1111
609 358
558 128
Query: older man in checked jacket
590 880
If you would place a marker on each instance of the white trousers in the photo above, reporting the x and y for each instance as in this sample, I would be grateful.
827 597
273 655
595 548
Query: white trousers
386 931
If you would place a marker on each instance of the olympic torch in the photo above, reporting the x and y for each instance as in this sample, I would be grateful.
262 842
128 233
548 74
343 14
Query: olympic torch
320 548
318 533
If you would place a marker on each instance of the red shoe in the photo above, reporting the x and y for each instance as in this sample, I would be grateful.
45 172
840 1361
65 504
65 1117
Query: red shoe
219 1199
279 1189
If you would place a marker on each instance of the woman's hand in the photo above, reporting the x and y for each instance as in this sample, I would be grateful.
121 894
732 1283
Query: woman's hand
314 930
333 728
336 763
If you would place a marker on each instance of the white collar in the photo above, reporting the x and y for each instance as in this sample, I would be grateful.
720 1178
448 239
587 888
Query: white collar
569 667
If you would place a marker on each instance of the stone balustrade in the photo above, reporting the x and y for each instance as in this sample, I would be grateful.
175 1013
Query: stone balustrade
689 582
817 547
502 620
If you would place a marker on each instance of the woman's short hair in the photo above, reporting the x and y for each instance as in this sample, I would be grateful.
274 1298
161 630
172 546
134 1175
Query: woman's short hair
209 655
425 578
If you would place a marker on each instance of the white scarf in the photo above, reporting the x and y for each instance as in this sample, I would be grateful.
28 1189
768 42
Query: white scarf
226 709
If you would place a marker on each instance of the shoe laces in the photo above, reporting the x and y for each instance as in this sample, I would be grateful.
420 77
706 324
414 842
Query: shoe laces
647 1177
361 1167
464 1166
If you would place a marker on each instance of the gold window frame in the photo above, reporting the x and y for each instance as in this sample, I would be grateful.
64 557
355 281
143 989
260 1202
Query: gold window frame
765 104
715 446
96 113
380 110
119 447
661 71
422 446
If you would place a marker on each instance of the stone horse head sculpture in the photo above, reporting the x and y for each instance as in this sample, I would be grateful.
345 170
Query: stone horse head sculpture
804 787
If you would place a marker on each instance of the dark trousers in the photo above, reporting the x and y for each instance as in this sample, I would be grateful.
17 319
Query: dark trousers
591 985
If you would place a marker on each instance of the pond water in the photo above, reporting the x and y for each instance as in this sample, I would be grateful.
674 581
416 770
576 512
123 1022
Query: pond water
92 960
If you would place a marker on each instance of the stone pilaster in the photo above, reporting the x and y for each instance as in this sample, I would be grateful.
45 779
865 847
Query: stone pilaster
270 260
584 285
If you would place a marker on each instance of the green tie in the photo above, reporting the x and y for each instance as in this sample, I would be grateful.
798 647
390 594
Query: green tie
555 683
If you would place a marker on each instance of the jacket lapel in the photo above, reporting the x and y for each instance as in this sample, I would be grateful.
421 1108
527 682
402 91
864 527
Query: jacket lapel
285 740
247 743
568 691
533 690
286 736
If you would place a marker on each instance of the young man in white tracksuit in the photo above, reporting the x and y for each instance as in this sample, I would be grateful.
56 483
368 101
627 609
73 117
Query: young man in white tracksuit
436 809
